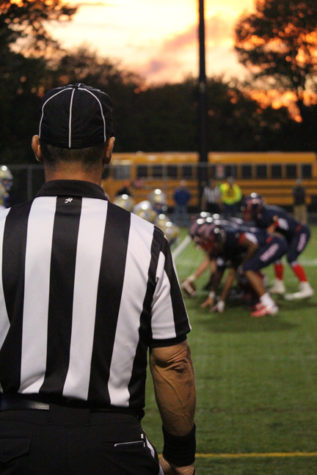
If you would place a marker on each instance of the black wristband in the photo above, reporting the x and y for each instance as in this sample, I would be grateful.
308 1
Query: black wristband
180 450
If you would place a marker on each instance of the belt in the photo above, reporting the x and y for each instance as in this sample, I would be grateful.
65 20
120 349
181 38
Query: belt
15 403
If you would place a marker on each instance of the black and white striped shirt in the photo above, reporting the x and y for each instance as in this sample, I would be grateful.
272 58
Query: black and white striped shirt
85 289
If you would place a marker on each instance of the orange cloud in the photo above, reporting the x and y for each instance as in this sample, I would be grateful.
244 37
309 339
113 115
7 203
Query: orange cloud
174 53
217 31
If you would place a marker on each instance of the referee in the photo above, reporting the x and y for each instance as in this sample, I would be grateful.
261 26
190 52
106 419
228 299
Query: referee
87 289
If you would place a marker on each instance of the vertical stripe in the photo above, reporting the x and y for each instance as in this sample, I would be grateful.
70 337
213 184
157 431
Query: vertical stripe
137 381
89 249
133 294
108 300
163 324
180 315
4 319
301 242
14 244
60 310
70 120
36 293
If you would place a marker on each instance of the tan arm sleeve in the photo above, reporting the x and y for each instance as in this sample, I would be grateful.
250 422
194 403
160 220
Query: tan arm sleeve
174 384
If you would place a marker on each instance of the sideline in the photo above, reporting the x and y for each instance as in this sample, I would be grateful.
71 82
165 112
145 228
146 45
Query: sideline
259 455
179 249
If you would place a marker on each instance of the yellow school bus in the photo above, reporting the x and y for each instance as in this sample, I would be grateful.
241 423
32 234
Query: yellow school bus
272 174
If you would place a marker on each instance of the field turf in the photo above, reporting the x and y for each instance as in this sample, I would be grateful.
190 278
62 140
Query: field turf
256 382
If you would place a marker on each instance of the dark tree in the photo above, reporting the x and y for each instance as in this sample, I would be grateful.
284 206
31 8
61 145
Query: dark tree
25 45
27 20
279 43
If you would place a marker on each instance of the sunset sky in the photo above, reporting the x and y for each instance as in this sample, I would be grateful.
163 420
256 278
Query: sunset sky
157 38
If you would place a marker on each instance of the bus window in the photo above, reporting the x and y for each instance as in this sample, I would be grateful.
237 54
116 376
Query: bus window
172 171
306 171
142 171
157 171
261 171
291 171
276 171
187 171
246 171
121 172
230 170
212 171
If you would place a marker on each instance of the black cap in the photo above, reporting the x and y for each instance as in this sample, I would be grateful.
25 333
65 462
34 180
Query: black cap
76 116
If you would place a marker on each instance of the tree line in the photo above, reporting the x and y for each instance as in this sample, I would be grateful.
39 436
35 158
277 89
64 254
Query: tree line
277 44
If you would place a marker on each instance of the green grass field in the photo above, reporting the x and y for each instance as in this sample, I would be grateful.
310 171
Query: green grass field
256 382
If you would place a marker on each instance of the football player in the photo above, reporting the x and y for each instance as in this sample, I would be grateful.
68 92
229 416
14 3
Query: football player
200 226
246 251
202 222
296 234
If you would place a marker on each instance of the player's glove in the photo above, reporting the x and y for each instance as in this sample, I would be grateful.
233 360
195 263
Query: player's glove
209 302
189 287
240 271
219 307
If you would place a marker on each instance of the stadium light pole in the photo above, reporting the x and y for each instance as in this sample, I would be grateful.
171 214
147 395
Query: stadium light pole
202 93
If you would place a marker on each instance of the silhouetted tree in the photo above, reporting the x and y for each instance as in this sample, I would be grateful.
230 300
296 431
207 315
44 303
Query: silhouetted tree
27 20
279 43
24 71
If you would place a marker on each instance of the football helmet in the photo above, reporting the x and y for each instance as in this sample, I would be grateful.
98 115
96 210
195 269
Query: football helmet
195 226
204 214
6 177
170 230
144 210
158 200
214 241
251 206
201 232
124 201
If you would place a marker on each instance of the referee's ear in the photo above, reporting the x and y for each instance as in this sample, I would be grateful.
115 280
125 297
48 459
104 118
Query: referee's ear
36 147
108 150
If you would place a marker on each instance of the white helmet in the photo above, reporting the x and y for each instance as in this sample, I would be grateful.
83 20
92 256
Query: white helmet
161 220
158 200
6 177
170 230
124 201
144 210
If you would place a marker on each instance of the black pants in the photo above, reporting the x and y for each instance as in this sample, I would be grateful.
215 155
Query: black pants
213 208
73 441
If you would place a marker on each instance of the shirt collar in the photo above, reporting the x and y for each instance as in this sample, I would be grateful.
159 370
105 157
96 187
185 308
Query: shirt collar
72 188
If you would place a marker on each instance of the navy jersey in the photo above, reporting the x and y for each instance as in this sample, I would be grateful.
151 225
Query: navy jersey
233 250
284 222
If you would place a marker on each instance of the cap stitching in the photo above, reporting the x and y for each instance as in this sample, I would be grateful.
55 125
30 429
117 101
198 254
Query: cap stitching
70 120
101 110
44 104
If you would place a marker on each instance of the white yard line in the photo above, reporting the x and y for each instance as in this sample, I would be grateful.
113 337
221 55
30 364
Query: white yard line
179 249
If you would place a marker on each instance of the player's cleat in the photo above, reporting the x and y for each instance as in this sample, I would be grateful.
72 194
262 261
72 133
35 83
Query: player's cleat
257 306
305 292
263 310
278 287
189 288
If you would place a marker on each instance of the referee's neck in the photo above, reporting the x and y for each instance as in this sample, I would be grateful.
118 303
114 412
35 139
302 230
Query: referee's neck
74 171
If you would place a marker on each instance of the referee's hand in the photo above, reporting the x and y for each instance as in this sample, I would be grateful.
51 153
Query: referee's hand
169 469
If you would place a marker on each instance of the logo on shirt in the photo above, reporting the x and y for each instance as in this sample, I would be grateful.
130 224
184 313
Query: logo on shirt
68 200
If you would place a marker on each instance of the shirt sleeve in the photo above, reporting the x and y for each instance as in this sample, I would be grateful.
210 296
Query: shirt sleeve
169 319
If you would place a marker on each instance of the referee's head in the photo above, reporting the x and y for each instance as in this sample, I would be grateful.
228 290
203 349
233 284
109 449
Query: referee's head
75 128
